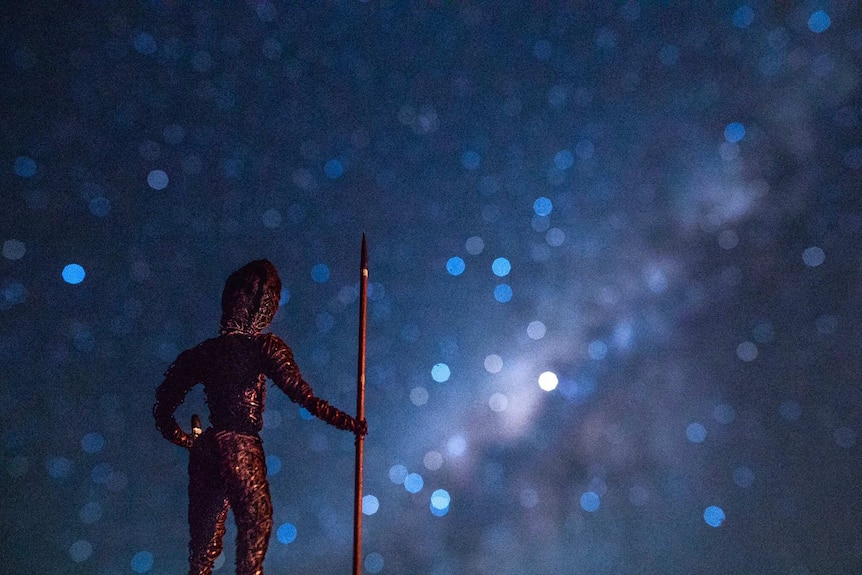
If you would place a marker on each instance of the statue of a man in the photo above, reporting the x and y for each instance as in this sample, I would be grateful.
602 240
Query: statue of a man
227 467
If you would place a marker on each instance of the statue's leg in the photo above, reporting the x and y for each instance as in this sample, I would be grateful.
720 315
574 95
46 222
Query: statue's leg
248 493
208 505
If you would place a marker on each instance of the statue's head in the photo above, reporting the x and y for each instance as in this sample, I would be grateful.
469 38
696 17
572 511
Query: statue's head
250 298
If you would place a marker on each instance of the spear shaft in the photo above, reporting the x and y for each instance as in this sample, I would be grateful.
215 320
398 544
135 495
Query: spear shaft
360 411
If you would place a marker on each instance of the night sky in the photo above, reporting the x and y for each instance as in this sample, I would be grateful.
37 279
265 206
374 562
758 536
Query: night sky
615 294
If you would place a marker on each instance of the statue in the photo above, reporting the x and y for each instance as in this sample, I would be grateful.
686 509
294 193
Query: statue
227 466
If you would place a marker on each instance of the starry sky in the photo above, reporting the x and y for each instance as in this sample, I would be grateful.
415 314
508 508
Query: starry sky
614 305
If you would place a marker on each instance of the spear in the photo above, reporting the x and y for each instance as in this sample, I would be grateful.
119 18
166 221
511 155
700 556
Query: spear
360 411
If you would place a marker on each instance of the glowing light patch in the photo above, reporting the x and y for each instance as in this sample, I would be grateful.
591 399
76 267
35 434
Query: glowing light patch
14 249
455 266
743 476
501 267
142 562
374 562
80 550
92 442
471 159
746 351
714 516
273 464
734 132
819 22
433 460
73 274
370 505
724 413
397 474
543 206
440 372
743 16
456 446
475 245
90 513
498 402
286 533
333 169
695 433
813 256
100 207
590 502
597 349
493 363
548 381
271 218
440 499
563 160
25 167
320 273
503 293
418 396
414 483
157 180
305 414
58 467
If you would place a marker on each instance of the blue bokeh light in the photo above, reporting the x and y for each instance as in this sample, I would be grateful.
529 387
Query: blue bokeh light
743 16
92 442
374 562
563 160
397 474
503 293
543 206
370 504
333 169
73 274
714 516
695 433
819 22
501 267
305 414
440 372
25 167
590 502
157 180
413 483
286 533
471 159
273 464
455 266
734 132
80 550
440 499
142 561
320 273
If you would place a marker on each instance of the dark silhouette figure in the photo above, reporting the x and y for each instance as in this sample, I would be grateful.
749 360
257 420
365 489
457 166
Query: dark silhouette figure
227 467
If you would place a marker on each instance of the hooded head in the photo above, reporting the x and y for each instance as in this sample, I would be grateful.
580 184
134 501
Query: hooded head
250 298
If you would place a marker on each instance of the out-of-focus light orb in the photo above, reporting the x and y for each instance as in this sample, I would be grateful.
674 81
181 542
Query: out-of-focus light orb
92 442
471 159
157 180
25 167
503 293
414 483
743 476
440 499
475 245
493 363
543 206
374 562
90 513
743 16
370 505
100 206
145 44
790 410
333 169
597 350
746 351
713 515
273 464
271 218
142 562
555 237
14 249
501 267
418 396
819 22
734 132
433 460
73 274
813 256
305 414
563 160
80 550
58 467
397 474
695 433
440 372
638 496
724 413
286 533
590 502
498 402
456 446
455 266
548 381
320 273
